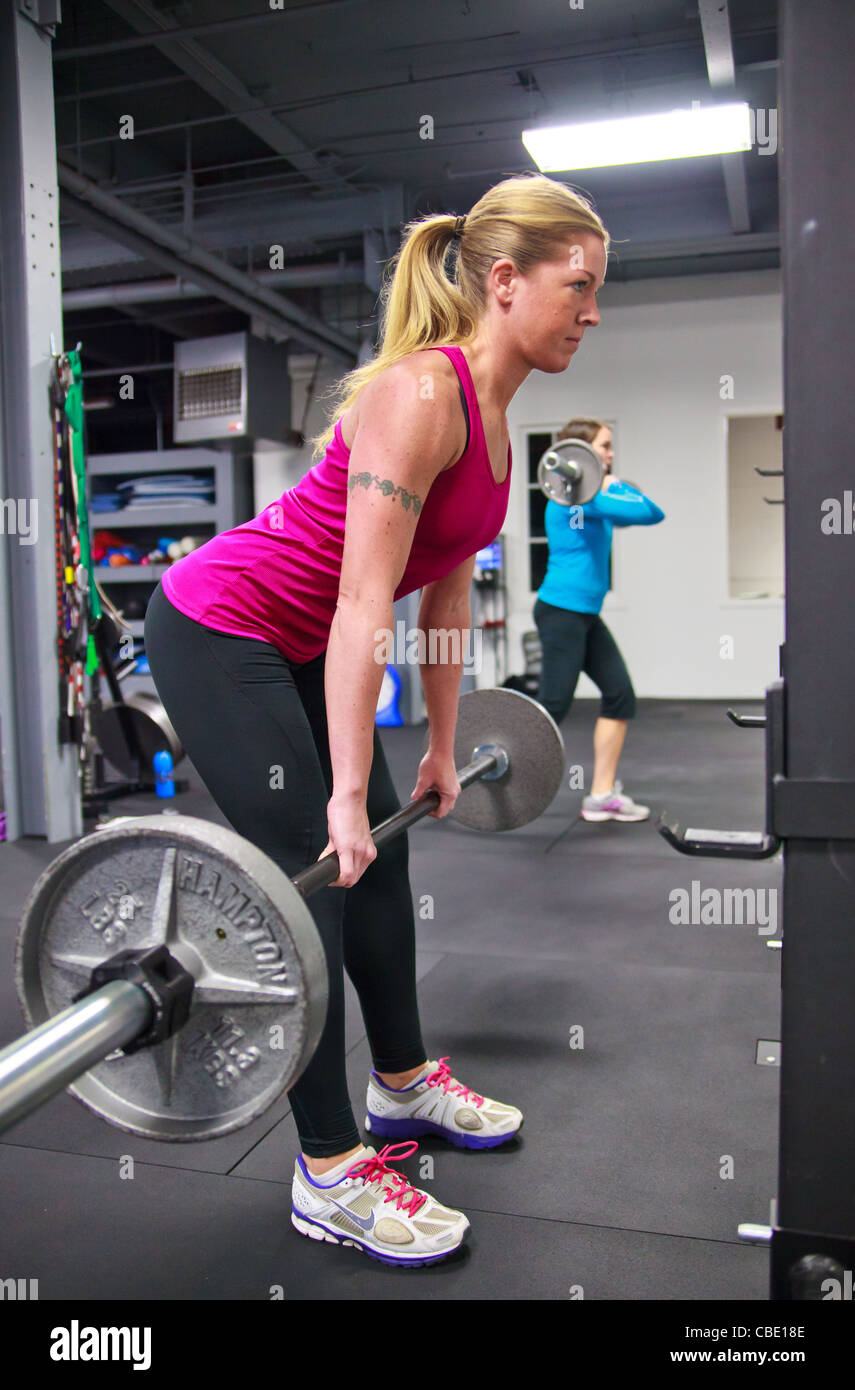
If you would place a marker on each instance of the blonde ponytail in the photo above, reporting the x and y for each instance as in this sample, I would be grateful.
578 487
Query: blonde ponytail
526 218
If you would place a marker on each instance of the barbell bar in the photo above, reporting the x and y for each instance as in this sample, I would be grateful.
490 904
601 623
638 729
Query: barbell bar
172 972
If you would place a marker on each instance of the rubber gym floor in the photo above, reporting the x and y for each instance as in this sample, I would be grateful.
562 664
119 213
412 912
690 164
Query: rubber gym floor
642 1150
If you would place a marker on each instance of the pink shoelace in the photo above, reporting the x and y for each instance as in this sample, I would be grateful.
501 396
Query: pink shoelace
377 1169
442 1077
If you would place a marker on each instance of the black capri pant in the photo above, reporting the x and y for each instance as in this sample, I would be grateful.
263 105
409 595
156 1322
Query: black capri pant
575 642
240 708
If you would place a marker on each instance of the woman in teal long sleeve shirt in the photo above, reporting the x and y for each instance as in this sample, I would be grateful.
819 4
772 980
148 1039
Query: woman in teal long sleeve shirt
573 636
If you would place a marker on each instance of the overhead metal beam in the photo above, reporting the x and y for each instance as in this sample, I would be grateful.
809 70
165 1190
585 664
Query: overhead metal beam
718 47
700 246
215 78
145 291
147 250
715 25
295 222
190 261
736 188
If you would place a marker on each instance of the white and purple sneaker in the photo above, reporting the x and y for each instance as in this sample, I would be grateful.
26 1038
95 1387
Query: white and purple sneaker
436 1103
365 1203
613 805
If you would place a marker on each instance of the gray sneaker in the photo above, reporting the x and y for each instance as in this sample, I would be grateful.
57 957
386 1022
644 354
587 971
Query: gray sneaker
613 806
365 1203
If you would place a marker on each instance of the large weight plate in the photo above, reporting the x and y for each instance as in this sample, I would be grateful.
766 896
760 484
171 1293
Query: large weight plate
233 918
535 750
555 472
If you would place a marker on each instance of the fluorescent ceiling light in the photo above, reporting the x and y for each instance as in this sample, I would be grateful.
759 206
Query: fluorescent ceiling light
682 134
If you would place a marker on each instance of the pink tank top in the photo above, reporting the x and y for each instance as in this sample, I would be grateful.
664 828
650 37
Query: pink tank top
276 577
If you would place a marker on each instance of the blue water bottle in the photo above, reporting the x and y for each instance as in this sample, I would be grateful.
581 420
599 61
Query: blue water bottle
164 782
388 704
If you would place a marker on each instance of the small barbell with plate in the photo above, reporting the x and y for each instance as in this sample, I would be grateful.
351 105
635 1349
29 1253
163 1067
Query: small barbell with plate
172 971
570 472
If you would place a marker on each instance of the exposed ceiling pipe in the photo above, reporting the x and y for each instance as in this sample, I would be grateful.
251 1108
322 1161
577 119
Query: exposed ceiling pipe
142 291
89 372
190 261
699 246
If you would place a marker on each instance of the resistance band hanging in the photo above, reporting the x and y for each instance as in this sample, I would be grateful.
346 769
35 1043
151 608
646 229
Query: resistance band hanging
70 591
74 416
79 607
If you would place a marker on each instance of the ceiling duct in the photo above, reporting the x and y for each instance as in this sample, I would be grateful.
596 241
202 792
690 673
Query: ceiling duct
234 386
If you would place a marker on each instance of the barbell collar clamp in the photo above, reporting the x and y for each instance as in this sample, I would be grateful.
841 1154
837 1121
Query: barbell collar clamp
497 752
163 978
565 467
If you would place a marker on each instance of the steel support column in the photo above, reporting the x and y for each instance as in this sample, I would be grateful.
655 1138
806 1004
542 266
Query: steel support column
816 1180
40 777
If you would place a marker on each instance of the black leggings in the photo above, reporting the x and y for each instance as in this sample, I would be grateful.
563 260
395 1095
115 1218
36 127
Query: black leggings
575 642
239 708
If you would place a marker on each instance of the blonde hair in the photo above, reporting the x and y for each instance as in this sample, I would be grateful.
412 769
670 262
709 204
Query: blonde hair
526 218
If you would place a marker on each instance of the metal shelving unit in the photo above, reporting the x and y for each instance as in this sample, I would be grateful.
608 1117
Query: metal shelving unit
233 504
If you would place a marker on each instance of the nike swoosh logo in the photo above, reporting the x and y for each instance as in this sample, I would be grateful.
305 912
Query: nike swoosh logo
366 1222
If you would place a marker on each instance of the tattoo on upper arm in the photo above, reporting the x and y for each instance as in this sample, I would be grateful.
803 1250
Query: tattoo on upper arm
387 487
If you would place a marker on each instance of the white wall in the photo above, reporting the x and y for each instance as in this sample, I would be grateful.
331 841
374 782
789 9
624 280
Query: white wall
756 527
654 366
